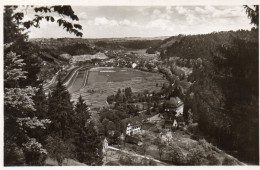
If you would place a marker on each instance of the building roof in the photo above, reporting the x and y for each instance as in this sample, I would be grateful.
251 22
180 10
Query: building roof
86 57
155 118
66 56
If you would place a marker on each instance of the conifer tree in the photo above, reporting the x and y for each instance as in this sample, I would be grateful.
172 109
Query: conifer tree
60 111
40 103
128 92
81 110
119 97
88 145
87 141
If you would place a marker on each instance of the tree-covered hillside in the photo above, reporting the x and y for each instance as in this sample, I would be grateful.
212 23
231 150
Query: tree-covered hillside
224 96
77 46
202 46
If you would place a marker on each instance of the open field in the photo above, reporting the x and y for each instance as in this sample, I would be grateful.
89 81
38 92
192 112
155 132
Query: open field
103 82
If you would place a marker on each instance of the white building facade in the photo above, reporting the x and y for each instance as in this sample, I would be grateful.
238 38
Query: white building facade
133 129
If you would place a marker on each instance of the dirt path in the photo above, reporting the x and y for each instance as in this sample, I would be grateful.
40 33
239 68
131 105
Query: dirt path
135 154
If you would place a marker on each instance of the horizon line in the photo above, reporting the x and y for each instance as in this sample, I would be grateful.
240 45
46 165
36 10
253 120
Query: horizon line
141 37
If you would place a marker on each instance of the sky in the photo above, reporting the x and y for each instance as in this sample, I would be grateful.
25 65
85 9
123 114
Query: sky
147 21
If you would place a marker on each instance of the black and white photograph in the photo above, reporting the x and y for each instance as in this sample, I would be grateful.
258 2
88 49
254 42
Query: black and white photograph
130 85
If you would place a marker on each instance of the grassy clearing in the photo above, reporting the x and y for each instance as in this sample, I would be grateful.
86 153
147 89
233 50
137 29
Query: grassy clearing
126 156
102 84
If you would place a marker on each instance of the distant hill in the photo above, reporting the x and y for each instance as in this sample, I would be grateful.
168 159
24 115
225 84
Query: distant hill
201 45
98 39
79 46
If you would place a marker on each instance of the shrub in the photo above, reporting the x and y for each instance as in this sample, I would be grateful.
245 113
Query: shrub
196 156
59 149
213 160
112 163
13 155
176 155
125 160
206 146
228 161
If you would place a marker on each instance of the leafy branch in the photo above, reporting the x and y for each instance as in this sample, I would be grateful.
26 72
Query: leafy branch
63 11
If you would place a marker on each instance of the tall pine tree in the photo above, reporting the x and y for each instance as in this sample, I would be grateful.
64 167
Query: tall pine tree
60 111
82 110
88 145
87 141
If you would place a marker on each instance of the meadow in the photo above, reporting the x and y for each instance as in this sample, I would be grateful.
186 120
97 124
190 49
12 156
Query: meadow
103 82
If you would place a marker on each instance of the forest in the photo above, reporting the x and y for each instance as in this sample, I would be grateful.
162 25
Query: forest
55 47
224 96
